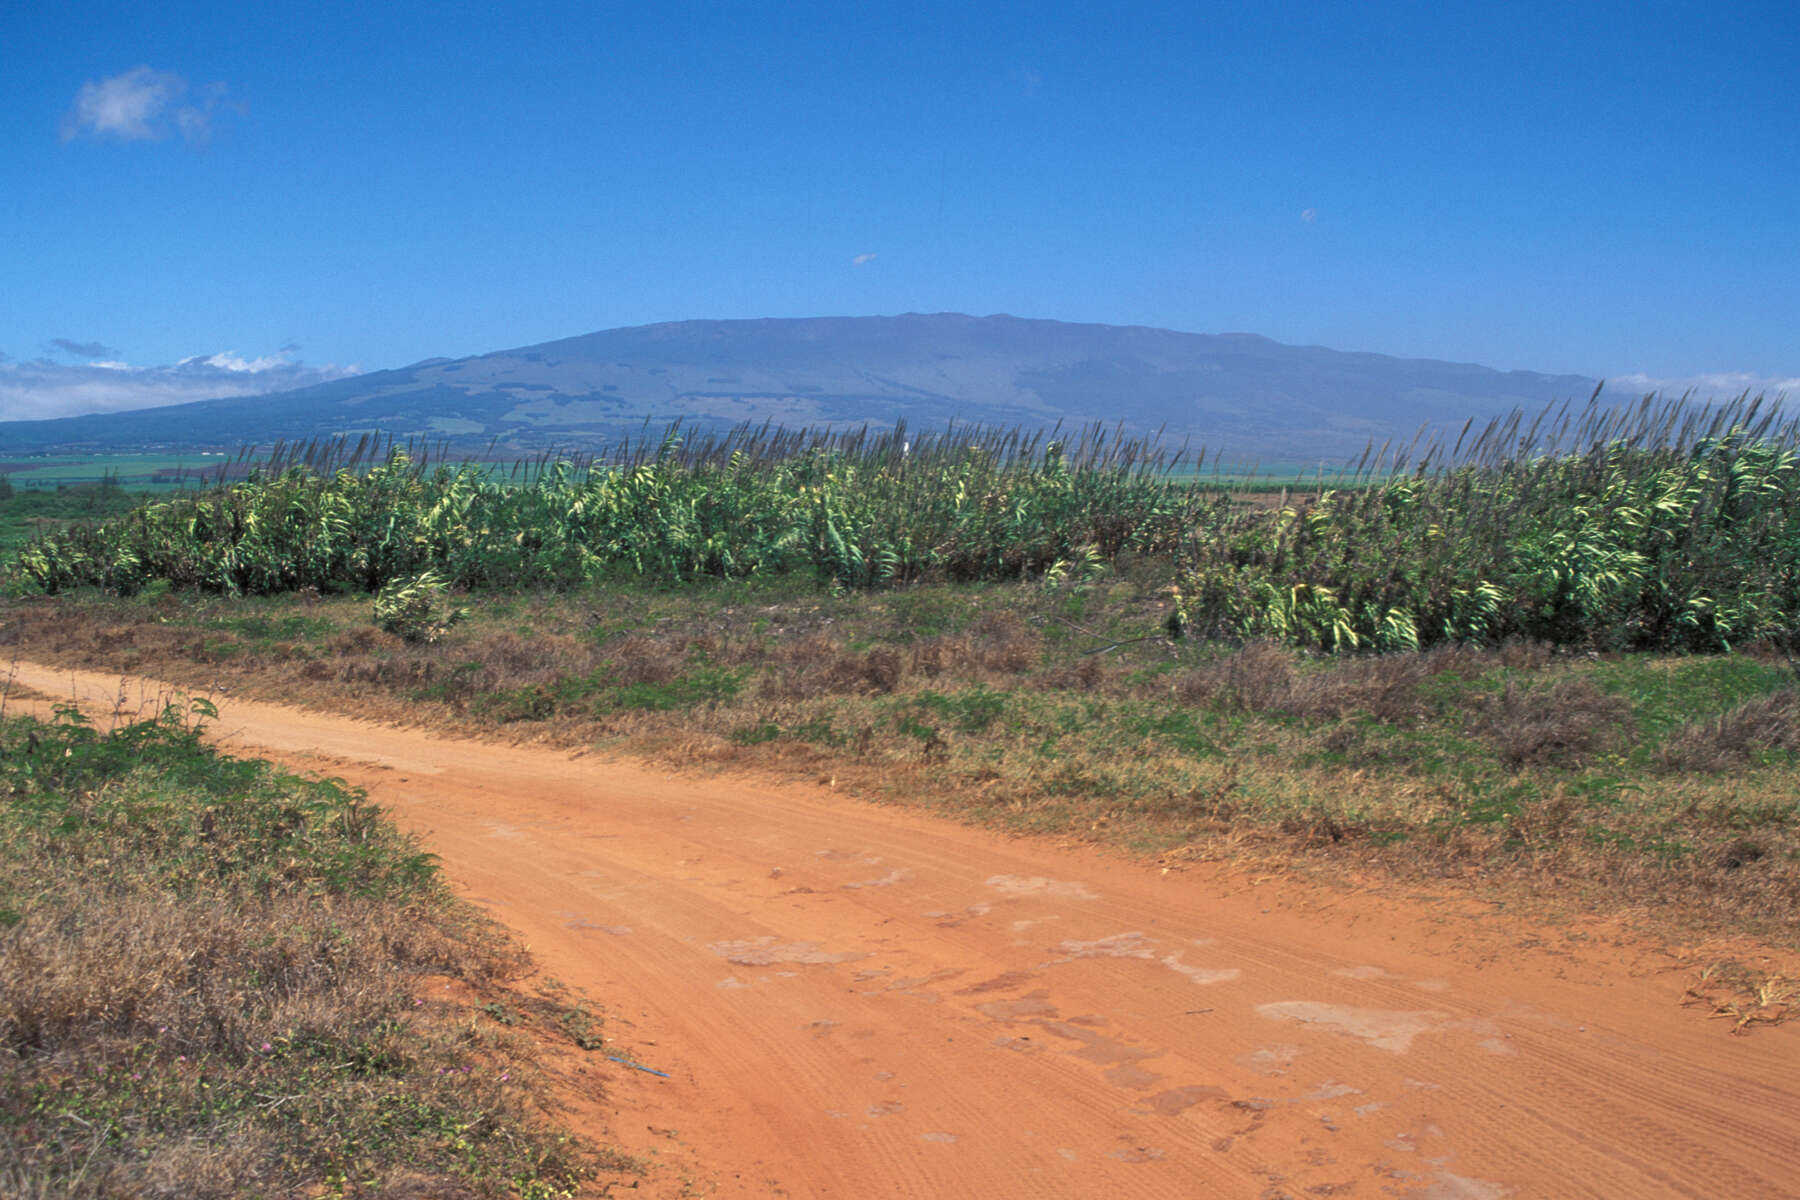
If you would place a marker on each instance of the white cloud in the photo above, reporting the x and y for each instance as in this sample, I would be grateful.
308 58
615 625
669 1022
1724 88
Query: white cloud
862 260
1717 385
228 360
40 389
143 105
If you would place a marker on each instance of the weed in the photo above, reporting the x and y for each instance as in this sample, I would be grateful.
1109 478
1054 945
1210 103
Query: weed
971 711
756 735
294 628
1563 723
418 608
1744 996
499 1012
701 686
1751 732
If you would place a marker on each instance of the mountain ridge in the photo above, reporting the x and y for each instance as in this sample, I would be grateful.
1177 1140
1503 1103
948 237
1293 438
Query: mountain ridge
1237 392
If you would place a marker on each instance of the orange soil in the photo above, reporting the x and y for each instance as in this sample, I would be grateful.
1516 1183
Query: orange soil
853 1001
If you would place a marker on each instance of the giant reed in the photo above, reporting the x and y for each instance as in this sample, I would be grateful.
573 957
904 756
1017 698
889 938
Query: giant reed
1665 524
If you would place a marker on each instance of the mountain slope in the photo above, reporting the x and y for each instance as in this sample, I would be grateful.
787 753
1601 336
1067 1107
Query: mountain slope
1238 393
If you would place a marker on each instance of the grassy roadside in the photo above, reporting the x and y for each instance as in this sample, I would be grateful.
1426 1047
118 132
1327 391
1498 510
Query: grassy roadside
1657 788
212 983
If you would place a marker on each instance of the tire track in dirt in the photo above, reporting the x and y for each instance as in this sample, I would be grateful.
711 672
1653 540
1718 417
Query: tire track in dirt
854 1001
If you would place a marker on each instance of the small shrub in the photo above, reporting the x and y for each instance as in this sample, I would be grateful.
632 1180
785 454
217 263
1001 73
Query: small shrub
417 609
818 666
1259 678
1558 725
517 704
972 711
876 673
1085 674
636 660
1737 738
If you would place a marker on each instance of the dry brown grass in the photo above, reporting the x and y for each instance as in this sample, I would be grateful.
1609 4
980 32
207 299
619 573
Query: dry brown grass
1738 737
1561 724
997 645
819 665
1745 996
211 985
1266 678
187 1048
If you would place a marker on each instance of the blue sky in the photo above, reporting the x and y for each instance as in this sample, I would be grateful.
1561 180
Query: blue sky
238 197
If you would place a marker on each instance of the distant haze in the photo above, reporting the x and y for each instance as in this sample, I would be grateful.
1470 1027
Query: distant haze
1239 395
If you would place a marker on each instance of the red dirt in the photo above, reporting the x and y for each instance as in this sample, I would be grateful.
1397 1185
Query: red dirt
853 1001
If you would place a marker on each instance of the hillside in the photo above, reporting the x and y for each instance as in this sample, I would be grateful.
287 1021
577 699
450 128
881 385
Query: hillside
1239 394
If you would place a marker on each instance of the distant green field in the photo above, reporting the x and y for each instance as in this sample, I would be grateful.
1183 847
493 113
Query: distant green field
27 512
136 472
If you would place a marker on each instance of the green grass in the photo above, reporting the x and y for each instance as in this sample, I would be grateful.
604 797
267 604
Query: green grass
134 472
289 628
28 513
1664 696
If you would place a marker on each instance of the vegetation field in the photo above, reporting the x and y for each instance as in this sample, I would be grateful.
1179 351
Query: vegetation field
133 472
27 514
1667 528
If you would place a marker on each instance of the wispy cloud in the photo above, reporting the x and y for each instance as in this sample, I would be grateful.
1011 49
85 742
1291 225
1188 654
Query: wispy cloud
38 388
83 349
862 260
143 104
1711 386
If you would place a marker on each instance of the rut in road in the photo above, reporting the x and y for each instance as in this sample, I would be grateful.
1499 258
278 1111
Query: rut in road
854 1001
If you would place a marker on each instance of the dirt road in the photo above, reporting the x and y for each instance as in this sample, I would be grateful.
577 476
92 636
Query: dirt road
853 1001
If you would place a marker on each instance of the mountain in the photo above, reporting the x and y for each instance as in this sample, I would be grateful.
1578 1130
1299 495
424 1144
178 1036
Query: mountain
1239 394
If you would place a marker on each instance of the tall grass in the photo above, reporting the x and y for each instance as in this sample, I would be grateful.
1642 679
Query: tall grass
857 509
1661 525
1667 525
